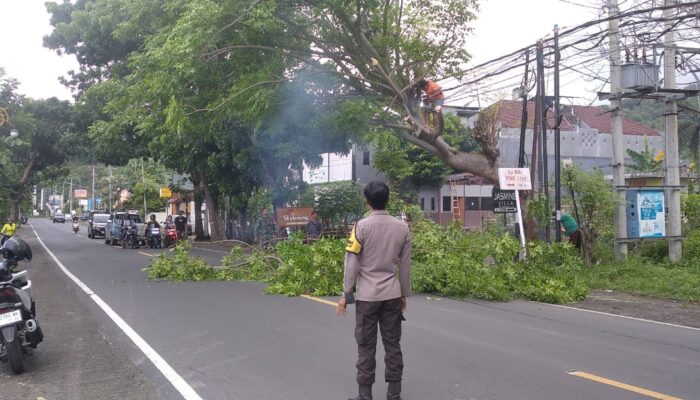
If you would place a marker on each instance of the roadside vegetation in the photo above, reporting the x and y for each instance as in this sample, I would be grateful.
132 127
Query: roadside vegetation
448 261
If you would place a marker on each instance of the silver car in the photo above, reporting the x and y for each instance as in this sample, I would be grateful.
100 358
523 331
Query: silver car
97 225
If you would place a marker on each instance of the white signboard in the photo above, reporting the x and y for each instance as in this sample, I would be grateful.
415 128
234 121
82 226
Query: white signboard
514 178
652 221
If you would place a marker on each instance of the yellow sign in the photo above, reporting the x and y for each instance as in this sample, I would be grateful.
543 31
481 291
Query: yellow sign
165 192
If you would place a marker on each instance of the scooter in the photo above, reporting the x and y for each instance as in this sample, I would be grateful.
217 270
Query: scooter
20 331
170 235
76 226
154 240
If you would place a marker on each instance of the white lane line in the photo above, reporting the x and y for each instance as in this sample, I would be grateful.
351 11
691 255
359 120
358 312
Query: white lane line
175 379
623 316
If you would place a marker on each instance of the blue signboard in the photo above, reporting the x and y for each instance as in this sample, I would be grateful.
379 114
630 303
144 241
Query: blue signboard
652 220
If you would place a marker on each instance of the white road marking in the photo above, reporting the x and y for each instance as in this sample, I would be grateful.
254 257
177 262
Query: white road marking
170 374
624 316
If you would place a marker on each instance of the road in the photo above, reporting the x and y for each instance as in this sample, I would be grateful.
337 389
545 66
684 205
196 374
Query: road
227 340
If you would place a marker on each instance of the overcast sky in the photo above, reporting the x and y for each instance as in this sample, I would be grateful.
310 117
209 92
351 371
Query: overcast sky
502 26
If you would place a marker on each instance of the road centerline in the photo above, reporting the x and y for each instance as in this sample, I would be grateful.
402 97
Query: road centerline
319 300
623 386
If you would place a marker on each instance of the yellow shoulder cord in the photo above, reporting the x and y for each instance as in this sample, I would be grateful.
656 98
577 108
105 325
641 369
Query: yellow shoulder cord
353 245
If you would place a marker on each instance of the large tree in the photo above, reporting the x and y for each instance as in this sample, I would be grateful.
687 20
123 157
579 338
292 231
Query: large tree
378 50
45 133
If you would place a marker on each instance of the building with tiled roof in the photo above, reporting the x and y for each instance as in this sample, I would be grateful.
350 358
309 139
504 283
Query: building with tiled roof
585 135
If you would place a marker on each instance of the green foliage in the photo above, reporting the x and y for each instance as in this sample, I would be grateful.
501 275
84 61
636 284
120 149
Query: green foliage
454 263
340 203
180 266
409 167
690 211
295 268
540 208
593 201
646 277
646 161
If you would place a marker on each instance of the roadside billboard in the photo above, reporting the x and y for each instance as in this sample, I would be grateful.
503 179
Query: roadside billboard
293 216
80 194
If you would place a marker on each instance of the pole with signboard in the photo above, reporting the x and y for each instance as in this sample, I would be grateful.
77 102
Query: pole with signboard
516 179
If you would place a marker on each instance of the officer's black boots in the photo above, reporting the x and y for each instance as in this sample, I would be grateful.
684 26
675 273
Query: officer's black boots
365 393
394 391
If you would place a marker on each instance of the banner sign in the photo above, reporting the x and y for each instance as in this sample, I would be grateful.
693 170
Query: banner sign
80 194
652 221
293 216
504 201
166 192
514 178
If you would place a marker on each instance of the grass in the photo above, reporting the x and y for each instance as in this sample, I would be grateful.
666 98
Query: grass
646 277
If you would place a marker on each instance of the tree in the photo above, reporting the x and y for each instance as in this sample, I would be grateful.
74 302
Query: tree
646 161
408 167
379 50
593 200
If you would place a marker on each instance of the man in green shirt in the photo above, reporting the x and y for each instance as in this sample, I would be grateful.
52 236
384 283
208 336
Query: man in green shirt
570 228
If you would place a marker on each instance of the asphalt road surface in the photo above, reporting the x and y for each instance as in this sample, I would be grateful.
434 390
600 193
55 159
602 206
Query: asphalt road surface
227 340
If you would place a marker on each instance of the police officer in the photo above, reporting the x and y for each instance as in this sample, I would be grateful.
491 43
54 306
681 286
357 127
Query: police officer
378 266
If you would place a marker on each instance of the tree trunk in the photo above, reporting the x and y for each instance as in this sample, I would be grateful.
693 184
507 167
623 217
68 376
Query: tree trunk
196 179
216 227
14 209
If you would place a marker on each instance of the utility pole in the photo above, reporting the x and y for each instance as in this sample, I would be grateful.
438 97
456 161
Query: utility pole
523 116
143 182
70 195
557 139
545 153
110 189
536 128
675 246
618 156
93 186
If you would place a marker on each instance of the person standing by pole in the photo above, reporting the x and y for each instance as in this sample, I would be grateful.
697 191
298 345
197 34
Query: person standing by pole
378 267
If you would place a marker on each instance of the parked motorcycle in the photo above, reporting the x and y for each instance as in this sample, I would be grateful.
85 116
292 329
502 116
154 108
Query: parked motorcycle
20 331
170 235
154 240
130 237
23 220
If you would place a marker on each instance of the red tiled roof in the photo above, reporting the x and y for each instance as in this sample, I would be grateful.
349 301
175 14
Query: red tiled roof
509 115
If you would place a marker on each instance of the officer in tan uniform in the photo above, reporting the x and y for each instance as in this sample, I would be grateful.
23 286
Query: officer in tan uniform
378 266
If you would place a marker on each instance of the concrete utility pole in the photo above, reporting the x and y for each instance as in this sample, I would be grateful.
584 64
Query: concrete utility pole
523 116
93 186
110 189
618 156
675 246
557 138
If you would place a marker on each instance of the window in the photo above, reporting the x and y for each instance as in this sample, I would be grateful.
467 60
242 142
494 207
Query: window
432 204
446 203
422 204
365 158
473 203
486 204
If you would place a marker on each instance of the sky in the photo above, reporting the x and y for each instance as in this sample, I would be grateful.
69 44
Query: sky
502 27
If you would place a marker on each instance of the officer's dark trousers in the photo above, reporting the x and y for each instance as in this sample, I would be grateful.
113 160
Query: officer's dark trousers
386 314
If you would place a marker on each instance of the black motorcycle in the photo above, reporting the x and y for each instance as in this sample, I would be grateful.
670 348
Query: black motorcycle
20 331
154 239
130 237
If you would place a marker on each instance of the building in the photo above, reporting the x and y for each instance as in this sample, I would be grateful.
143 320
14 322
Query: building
585 140
586 137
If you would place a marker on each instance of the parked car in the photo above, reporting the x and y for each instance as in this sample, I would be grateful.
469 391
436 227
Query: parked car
97 224
115 223
58 216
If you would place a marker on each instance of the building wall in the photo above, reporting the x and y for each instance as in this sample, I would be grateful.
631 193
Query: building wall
364 169
587 147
